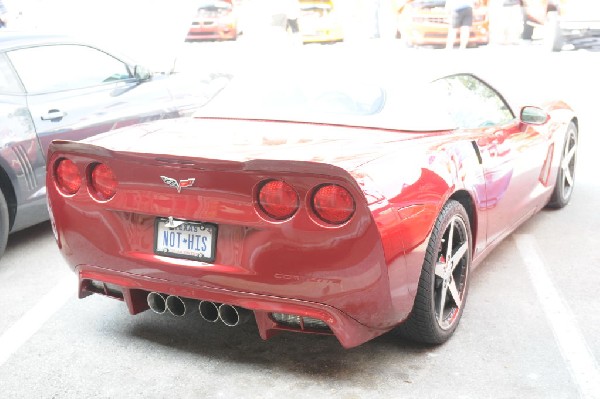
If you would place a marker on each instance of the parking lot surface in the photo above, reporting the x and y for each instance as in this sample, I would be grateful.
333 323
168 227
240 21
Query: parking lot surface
530 328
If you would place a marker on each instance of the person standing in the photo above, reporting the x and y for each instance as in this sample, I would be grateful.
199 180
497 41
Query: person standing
292 11
506 21
460 13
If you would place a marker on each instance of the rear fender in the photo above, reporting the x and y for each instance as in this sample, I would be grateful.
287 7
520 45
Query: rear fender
407 191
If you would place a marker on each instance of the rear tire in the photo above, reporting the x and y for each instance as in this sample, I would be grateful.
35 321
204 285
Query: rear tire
565 178
444 280
4 223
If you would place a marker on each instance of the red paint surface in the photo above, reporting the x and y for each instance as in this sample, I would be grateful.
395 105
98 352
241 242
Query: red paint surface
359 277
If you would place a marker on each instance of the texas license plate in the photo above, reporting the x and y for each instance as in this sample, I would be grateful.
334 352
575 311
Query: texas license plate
184 239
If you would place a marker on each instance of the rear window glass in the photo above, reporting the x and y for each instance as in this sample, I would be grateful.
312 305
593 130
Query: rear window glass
312 97
418 107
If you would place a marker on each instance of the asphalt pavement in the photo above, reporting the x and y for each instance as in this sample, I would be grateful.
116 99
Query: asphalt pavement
530 328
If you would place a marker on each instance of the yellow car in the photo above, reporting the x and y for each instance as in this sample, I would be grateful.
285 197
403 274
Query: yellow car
319 22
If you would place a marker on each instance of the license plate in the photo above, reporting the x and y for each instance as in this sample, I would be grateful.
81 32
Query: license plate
184 239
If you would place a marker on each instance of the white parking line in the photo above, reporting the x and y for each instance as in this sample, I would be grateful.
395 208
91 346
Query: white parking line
33 320
580 360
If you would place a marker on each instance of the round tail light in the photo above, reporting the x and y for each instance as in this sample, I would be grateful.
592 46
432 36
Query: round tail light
278 199
67 176
103 184
333 204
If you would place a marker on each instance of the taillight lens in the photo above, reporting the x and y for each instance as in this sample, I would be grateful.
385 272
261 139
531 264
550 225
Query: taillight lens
103 184
333 204
68 178
278 199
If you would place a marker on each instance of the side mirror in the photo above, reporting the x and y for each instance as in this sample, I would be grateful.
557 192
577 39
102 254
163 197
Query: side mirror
141 73
534 115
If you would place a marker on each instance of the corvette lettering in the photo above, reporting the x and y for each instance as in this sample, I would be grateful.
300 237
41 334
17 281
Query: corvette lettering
293 277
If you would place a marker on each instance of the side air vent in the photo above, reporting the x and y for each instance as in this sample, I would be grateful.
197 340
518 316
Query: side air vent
26 167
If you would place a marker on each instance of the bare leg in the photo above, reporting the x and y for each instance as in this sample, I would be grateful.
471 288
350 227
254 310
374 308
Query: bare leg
451 38
464 36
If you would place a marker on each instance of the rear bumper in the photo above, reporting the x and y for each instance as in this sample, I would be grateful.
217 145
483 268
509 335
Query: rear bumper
134 289
438 36
322 36
322 39
212 33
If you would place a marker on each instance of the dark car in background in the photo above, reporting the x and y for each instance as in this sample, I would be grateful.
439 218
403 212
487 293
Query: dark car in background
575 22
214 20
564 22
56 87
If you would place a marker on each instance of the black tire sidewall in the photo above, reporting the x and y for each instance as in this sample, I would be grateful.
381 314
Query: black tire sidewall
4 223
451 209
558 199
422 324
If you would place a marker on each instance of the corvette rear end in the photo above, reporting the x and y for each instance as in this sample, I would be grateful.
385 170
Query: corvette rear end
317 208
292 242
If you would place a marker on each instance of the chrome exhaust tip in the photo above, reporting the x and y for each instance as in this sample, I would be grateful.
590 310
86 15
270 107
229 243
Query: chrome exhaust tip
209 311
179 306
157 302
233 316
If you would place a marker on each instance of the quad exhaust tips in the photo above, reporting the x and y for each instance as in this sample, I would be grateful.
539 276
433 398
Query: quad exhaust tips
160 303
233 316
157 302
230 315
178 306
210 311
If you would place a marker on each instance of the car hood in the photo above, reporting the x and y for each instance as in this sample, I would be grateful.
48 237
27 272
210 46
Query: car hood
245 140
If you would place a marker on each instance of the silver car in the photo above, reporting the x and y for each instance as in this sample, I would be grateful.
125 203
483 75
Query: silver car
54 87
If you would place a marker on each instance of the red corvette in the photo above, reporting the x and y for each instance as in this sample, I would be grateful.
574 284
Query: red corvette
325 206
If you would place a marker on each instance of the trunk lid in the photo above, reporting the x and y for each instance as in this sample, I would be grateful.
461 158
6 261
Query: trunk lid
246 141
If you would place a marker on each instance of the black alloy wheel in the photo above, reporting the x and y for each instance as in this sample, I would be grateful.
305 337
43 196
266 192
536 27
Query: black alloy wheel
4 223
565 179
444 280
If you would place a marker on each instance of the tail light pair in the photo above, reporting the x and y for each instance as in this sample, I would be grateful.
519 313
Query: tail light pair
102 181
331 203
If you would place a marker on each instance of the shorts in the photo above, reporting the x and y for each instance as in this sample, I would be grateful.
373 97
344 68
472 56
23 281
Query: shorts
292 25
462 17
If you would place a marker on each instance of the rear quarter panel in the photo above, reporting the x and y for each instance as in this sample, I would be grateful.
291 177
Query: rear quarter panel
406 191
